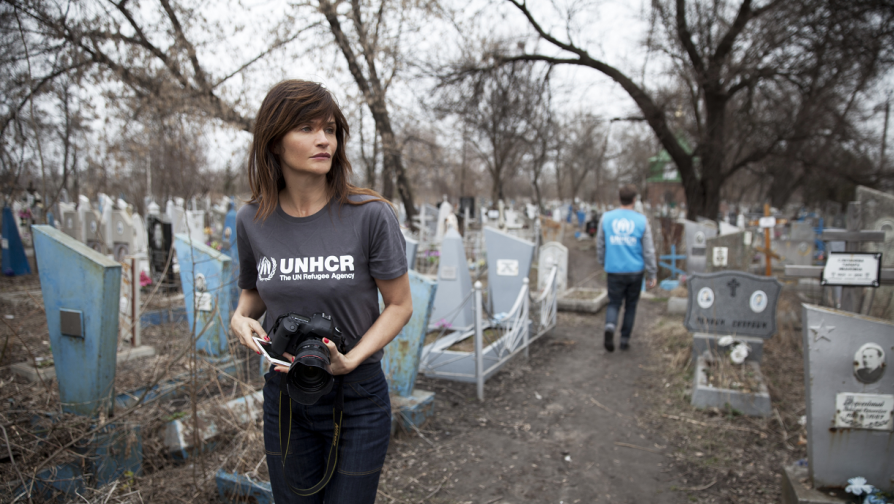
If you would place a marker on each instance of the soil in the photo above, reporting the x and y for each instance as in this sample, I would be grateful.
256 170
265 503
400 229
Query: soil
573 423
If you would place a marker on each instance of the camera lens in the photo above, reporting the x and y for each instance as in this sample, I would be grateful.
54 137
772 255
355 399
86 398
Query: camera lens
309 376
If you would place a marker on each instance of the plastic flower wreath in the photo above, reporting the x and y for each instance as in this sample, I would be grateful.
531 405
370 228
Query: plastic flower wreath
873 495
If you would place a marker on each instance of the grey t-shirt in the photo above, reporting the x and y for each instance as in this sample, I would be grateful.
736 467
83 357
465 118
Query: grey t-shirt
327 262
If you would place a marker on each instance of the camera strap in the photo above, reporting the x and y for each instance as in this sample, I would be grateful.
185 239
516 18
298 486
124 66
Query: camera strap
332 460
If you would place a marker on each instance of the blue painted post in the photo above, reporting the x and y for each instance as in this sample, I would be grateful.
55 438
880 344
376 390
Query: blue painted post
673 257
205 277
402 355
14 260
229 247
81 290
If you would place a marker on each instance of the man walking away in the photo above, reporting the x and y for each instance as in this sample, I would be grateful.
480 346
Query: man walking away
624 247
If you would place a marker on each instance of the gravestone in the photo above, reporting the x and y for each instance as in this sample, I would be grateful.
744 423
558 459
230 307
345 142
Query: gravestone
794 252
71 221
850 397
453 300
195 225
733 303
553 254
160 239
122 235
412 249
444 212
509 261
802 231
738 304
93 232
730 252
696 236
205 278
401 360
14 260
229 247
83 328
878 215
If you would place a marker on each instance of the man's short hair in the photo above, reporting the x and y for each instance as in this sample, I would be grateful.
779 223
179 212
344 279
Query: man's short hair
627 194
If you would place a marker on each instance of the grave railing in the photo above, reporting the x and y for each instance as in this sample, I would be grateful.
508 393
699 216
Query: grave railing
507 334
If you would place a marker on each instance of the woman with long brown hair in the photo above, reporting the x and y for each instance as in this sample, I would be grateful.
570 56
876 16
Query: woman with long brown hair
313 248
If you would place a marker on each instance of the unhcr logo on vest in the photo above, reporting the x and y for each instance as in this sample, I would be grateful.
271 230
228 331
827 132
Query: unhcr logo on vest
266 268
621 231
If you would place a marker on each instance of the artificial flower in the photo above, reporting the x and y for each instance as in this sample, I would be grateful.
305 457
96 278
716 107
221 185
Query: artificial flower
858 486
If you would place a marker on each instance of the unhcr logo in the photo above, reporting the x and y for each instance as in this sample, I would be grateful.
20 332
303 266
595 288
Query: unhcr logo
266 268
623 226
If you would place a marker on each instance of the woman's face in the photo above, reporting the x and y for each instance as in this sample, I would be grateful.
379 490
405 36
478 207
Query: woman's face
309 148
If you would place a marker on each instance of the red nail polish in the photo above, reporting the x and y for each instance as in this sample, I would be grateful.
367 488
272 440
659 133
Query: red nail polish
266 338
326 340
293 359
259 353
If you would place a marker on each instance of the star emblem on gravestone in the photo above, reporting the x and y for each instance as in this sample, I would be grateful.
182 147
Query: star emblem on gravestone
733 285
821 331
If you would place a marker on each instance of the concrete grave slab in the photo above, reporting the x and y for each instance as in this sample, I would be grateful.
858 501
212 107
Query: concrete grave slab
83 329
734 303
696 237
509 261
850 397
729 252
453 299
205 277
553 254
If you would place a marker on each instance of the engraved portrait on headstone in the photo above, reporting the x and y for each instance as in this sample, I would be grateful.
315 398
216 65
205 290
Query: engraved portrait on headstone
869 363
203 297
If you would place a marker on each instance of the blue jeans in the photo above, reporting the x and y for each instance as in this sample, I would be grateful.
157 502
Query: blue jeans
366 430
622 288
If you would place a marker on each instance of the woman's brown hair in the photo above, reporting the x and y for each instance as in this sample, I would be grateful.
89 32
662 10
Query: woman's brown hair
288 105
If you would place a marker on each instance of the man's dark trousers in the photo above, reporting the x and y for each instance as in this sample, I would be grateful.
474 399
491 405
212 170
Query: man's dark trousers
622 287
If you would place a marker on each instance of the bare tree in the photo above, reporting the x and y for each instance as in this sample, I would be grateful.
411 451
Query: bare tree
724 53
369 24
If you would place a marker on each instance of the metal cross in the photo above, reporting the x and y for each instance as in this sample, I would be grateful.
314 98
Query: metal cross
733 285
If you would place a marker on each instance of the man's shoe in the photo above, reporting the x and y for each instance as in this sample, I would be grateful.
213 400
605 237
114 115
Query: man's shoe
610 341
624 345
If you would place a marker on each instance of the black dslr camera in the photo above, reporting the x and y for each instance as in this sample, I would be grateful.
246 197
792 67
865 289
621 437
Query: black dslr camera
309 376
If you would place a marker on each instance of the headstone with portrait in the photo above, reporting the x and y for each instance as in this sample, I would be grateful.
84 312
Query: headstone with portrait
122 234
730 314
205 276
160 239
877 214
850 397
696 238
730 252
509 261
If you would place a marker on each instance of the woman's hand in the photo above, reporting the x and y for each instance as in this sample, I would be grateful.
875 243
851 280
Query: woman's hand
244 327
339 363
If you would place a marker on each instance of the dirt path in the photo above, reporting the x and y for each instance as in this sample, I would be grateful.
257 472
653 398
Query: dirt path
559 427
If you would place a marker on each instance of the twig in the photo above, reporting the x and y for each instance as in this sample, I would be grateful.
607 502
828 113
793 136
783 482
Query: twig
722 426
410 423
699 489
379 490
429 496
494 500
606 408
628 445
14 466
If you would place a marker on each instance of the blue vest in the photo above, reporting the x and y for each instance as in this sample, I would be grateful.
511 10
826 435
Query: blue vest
623 231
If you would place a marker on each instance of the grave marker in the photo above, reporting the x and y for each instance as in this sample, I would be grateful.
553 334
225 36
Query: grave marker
14 260
696 235
83 329
453 300
737 304
93 235
878 215
729 252
205 278
553 254
412 249
850 401
122 235
160 239
509 261
401 360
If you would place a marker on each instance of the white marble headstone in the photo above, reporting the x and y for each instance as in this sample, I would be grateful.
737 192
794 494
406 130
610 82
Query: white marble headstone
553 254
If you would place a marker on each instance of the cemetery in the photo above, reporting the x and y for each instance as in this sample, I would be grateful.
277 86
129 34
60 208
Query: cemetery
155 372
548 170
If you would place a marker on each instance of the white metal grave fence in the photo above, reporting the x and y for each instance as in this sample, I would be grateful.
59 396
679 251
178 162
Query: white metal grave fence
510 334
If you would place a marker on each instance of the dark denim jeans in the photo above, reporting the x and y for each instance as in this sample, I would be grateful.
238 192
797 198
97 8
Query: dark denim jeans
622 288
366 430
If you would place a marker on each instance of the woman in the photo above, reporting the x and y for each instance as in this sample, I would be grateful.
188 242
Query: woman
310 242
